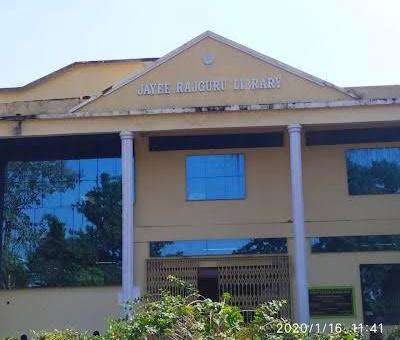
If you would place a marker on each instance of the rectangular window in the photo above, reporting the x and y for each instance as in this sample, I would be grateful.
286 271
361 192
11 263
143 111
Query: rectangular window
373 171
215 177
381 293
62 219
218 247
334 244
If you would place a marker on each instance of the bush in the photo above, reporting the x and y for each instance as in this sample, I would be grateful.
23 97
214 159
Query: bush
67 334
394 334
191 316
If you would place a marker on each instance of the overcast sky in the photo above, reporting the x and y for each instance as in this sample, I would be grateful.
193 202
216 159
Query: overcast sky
347 42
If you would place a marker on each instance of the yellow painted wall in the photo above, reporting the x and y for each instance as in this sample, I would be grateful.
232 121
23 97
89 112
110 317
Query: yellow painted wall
330 209
162 211
343 269
327 118
161 206
229 64
78 81
56 308
266 210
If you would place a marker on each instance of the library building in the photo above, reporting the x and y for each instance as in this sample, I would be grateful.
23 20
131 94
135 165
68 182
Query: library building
214 163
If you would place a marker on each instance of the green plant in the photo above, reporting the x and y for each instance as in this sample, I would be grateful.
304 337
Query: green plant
394 334
188 316
67 334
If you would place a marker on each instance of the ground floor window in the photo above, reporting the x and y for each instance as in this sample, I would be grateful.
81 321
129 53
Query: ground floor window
381 293
332 244
218 247
61 218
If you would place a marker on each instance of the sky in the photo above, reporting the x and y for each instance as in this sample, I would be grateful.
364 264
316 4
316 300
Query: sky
347 42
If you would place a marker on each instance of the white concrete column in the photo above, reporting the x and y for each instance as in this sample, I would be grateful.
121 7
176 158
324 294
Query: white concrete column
300 249
128 289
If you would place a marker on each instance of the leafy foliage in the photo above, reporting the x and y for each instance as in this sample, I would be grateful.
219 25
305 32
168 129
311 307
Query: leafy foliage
50 252
67 334
190 316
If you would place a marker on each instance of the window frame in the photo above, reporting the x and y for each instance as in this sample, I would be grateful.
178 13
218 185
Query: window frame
362 287
370 147
206 253
216 199
358 250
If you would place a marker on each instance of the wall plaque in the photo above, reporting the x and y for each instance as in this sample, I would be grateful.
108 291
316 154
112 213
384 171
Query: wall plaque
331 301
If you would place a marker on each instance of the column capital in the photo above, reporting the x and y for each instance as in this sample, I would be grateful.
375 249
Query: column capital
126 135
294 128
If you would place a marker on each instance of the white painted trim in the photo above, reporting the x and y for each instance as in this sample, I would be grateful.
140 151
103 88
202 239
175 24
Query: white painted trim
300 248
127 163
230 108
223 40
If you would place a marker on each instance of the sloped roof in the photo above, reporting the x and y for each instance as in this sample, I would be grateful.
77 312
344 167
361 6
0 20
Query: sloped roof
375 92
223 40
69 67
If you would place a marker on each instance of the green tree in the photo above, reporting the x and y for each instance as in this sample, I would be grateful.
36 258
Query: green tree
52 256
263 246
381 177
25 183
101 241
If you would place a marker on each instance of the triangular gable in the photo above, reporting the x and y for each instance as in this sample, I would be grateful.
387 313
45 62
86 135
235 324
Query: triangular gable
211 70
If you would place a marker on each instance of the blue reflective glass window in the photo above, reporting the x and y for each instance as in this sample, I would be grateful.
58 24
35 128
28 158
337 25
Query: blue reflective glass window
380 291
213 177
334 244
218 247
88 169
64 218
110 166
373 171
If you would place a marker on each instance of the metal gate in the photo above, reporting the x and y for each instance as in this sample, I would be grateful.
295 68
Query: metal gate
251 280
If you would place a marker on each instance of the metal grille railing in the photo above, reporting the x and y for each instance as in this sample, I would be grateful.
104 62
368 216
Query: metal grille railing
253 280
250 279
158 271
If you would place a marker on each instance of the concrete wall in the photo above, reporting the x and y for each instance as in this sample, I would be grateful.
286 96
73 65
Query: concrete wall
343 269
330 210
56 308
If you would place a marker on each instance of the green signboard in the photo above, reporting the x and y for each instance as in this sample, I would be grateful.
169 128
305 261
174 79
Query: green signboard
331 301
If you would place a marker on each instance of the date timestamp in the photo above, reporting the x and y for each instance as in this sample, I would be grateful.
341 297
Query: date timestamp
286 328
376 328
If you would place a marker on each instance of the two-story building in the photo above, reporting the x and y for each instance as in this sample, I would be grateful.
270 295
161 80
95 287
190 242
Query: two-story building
214 163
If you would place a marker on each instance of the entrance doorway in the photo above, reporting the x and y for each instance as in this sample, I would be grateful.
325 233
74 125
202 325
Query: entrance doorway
207 283
250 280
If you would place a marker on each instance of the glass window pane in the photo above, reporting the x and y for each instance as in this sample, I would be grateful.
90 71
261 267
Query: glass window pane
355 243
61 233
66 216
70 166
213 177
70 196
51 200
218 247
373 171
381 293
195 167
85 187
88 169
196 189
110 166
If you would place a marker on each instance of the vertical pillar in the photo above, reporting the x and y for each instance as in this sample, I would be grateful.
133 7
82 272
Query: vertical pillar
300 249
127 215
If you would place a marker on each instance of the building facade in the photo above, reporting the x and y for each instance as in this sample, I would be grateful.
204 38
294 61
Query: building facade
213 163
